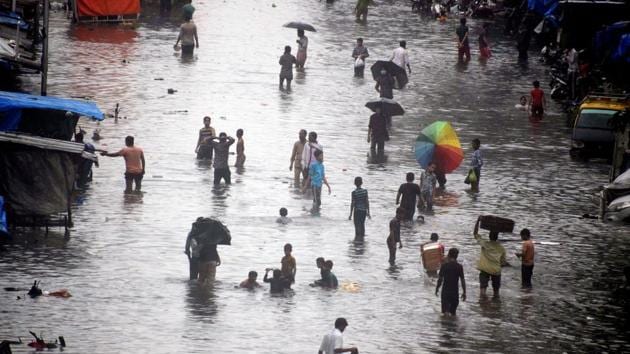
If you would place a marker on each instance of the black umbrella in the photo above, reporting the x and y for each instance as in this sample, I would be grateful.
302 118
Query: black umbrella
391 68
208 231
388 107
300 25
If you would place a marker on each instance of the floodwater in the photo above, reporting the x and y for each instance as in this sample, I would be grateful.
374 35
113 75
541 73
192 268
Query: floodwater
124 261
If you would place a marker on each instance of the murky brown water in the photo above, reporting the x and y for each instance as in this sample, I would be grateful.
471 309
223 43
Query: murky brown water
124 261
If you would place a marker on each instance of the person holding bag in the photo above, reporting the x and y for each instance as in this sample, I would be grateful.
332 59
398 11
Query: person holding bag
359 54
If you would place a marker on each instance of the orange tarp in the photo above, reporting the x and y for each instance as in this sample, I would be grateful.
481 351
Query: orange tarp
94 8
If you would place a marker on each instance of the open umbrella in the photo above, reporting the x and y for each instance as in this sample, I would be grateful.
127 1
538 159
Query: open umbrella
438 143
388 107
300 25
391 68
209 231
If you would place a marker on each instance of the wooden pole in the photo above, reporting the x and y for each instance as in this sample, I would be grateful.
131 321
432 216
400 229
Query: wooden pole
45 48
13 5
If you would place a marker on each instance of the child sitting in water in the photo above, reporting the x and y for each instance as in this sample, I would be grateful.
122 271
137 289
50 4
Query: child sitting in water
283 219
523 104
250 282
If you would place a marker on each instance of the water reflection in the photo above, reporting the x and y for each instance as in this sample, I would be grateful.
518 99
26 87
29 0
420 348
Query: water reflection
201 301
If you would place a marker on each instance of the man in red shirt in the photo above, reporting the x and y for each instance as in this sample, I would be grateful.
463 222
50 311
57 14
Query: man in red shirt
537 102
134 164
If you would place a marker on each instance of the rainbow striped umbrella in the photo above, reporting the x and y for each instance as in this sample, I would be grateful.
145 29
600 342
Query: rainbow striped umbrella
438 143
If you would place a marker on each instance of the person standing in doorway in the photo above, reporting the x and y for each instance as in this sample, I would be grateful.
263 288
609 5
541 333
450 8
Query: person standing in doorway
316 178
450 273
308 153
400 57
463 47
409 192
359 54
188 37
302 42
134 164
332 343
573 69
527 259
240 149
221 146
295 161
204 143
377 133
394 235
475 164
359 208
491 259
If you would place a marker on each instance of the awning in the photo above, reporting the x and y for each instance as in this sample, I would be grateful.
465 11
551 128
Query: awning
12 104
47 144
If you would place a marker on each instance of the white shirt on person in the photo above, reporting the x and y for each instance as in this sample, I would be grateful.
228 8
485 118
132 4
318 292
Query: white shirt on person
400 57
332 341
308 154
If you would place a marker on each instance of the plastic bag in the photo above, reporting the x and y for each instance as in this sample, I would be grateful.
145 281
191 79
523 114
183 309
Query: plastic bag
471 177
359 62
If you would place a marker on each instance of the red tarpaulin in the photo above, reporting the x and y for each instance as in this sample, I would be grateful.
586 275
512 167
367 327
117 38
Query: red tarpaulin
95 8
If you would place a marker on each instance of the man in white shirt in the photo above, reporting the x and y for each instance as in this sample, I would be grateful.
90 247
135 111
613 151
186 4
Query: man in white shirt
400 57
308 154
333 342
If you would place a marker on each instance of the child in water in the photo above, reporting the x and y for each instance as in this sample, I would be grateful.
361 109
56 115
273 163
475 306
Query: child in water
522 105
537 102
278 283
283 219
250 283
240 149
288 264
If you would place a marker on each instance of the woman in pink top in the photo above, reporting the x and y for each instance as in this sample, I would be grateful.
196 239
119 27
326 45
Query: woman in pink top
134 164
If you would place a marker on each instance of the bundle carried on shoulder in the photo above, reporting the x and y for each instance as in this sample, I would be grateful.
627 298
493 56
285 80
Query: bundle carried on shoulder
496 223
211 232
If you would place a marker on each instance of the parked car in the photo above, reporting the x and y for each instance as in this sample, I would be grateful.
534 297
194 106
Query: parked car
592 135
615 199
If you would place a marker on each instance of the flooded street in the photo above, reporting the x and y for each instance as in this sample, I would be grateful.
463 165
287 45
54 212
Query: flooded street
124 261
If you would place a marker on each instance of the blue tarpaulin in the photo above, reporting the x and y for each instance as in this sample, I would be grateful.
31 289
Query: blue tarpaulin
545 8
622 53
608 40
3 218
11 19
12 104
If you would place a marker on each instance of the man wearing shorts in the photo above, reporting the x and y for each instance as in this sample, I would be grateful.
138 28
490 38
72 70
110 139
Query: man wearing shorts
134 164
491 259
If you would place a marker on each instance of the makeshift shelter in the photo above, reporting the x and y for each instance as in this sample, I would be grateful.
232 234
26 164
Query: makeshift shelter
106 10
38 162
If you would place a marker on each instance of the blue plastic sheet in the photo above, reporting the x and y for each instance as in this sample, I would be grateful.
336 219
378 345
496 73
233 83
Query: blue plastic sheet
11 19
12 104
3 218
622 53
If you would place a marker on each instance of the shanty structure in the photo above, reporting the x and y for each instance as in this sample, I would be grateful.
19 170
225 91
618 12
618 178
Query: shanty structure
38 160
